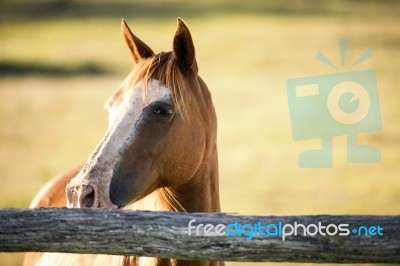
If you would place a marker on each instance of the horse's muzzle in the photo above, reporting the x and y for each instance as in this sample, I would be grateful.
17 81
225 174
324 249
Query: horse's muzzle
81 196
86 196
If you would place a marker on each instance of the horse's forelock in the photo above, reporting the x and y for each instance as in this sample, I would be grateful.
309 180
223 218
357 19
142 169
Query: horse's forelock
162 67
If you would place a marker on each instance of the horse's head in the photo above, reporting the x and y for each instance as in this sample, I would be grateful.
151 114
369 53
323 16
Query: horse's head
161 125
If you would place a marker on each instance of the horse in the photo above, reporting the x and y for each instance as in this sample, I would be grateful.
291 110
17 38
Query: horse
159 152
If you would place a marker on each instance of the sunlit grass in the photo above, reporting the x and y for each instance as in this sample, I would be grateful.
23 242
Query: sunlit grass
51 123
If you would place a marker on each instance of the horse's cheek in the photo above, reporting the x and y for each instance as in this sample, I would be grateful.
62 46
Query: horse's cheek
132 184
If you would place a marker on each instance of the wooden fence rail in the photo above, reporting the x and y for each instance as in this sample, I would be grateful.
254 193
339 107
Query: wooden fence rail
162 234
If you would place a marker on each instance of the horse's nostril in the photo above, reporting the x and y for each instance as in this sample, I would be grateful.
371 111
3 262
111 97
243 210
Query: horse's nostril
89 200
87 197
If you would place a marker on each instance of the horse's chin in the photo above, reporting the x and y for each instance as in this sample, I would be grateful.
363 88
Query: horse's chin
129 206
126 207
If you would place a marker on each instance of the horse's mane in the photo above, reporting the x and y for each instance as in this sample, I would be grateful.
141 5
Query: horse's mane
163 67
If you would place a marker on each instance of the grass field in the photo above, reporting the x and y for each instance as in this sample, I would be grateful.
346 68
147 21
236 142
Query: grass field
60 61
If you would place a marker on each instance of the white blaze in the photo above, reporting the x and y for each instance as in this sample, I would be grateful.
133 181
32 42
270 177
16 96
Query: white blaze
123 121
125 117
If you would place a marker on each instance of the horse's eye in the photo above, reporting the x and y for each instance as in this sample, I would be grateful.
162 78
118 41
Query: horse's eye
162 109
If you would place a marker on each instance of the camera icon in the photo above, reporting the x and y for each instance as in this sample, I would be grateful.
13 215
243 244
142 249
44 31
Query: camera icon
331 105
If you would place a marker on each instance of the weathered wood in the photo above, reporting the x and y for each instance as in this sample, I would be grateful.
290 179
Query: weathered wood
162 234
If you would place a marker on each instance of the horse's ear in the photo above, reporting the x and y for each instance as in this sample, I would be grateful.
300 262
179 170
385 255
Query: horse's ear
184 47
139 50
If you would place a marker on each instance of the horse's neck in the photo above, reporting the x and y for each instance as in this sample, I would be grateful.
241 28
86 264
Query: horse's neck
201 194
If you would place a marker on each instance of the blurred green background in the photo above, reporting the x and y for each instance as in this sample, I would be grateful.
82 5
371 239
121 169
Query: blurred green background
61 59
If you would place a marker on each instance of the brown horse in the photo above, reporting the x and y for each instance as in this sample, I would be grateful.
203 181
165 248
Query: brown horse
159 152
